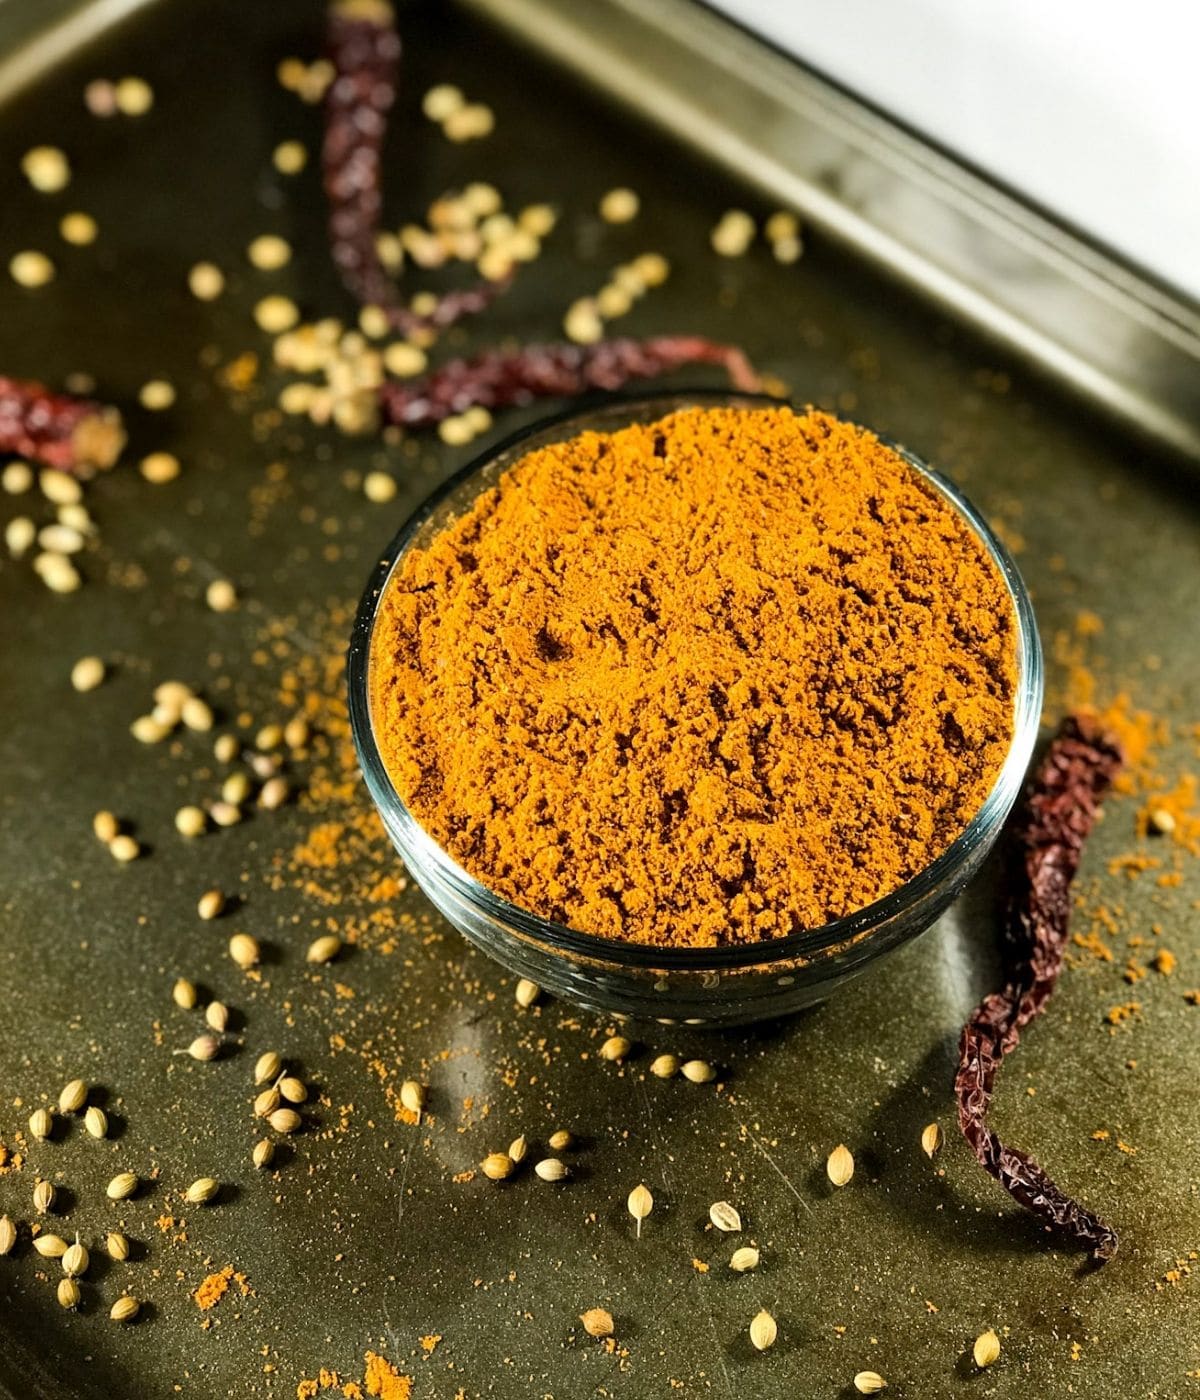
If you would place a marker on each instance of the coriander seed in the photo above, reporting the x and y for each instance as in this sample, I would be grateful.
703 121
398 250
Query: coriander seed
124 848
551 1169
41 1123
116 1246
496 1166
87 673
204 1048
517 1150
526 993
267 1102
183 994
122 1186
615 1048
216 1016
274 794
125 1309
664 1066
43 1197
244 950
986 1350
73 1096
105 826
202 1191
190 821
839 1167
221 596
30 268
639 1204
95 1120
597 1322
931 1139
267 1066
743 1260
75 1260
67 1293
284 1120
8 1235
869 1383
763 1331
725 1217
50 1246
324 949
211 904
698 1072
206 281
293 1089
264 1151
413 1097
561 1140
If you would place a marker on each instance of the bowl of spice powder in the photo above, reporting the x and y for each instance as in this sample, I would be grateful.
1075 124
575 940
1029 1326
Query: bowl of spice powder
689 707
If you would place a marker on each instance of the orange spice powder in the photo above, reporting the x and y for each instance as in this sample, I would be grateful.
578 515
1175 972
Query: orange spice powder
710 680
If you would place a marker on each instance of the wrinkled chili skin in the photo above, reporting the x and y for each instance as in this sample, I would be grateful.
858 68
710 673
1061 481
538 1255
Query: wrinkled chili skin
58 430
508 378
364 48
1059 810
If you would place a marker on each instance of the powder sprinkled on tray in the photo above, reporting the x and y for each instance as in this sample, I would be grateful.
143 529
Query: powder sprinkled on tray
714 679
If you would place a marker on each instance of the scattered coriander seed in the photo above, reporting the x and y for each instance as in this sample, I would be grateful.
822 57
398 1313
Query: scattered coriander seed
787 250
196 714
264 1152
225 813
782 224
19 534
869 1383
17 478
698 1072
59 488
235 788
284 1120
148 730
639 1204
46 168
379 487
615 1048
30 268
124 848
839 1166
116 1246
43 1197
733 234
50 1246
8 1235
404 360
244 950
41 1123
78 229
206 281
469 123
551 1169
267 1066
743 1260
527 992
221 596
664 1066
159 467
204 1048
105 827
517 1150
67 1293
76 1260
619 206
295 732
652 268
156 395
597 1322
134 97
931 1139
414 1097
442 101
561 1141
211 904
268 252
1162 821
582 323
725 1217
763 1331
122 1186
986 1350
202 1191
60 539
87 673
73 1096
57 572
276 314
293 1089
95 1120
267 1102
324 949
496 1166
290 157
216 1016
125 1309
191 821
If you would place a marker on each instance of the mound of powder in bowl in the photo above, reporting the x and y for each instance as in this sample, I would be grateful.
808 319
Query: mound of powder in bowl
711 680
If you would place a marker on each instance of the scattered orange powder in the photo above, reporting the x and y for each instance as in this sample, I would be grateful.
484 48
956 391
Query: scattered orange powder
213 1289
700 1266
429 1344
1165 962
382 1379
1118 1015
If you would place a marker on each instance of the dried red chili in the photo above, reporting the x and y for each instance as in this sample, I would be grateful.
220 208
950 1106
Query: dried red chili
505 378
364 49
57 429
1060 807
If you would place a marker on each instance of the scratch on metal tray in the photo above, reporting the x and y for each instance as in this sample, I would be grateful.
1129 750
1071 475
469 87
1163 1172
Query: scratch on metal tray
783 1176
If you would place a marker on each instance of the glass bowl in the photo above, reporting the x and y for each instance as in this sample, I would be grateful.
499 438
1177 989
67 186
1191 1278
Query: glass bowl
710 987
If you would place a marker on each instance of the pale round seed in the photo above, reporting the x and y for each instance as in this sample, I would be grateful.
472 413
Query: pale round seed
43 1197
267 1066
46 168
225 814
561 1141
324 949
125 1309
743 1260
57 572
293 1089
60 539
267 1102
122 1186
404 360
551 1169
41 1123
986 1350
442 101
275 792
290 157
235 788
931 1139
17 478
50 1246
30 268
619 206
664 1066
639 1203
117 1246
160 467
652 268
221 596
244 950
60 488
413 1096
698 1072
78 229
839 1167
191 821
202 1191
95 1120
134 97
124 848
206 281
105 826
204 1048
379 488
263 1154
763 1331
725 1217
225 748
19 535
156 395
527 992
733 234
216 1016
76 1260
782 224
469 123
295 732
517 1150
67 1293
615 1048
496 1166
211 904
268 252
285 1120
597 1322
87 673
196 714
869 1383
148 730
1162 821
582 323
8 1235
276 314
73 1096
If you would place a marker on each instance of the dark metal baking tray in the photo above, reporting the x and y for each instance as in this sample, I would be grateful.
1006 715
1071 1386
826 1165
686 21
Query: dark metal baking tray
363 1240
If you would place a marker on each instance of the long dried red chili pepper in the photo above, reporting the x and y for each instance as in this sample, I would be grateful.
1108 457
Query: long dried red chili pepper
57 429
505 378
364 49
1059 810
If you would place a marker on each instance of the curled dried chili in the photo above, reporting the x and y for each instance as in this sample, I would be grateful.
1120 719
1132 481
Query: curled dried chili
58 430
1060 808
505 378
364 49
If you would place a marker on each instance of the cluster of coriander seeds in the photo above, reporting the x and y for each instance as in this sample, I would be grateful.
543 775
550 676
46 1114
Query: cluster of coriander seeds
59 541
277 1103
616 1049
207 1045
500 1166
586 316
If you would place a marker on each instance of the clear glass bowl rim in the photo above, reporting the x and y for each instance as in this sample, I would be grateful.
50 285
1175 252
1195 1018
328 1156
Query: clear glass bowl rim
795 947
